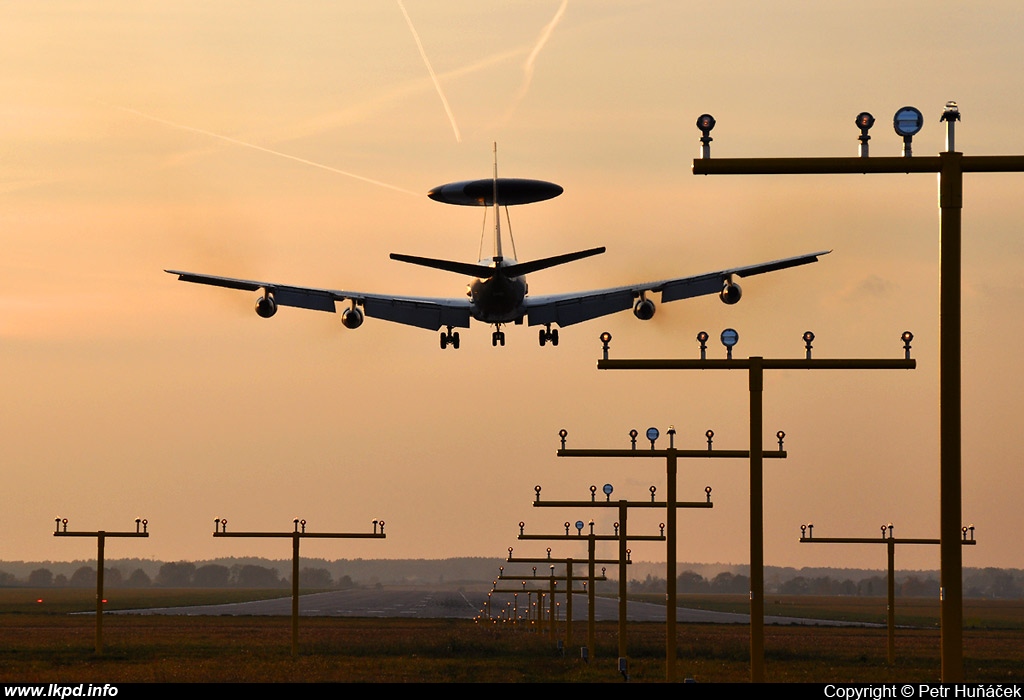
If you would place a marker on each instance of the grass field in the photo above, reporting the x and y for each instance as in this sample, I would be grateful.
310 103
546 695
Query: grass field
42 643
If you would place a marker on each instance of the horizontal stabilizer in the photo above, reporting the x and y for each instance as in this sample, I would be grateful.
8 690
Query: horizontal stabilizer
470 269
525 268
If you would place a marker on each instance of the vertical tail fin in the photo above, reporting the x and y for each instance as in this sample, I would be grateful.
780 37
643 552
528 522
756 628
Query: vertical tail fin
497 211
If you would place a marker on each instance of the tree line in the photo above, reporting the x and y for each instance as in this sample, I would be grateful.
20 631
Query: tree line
181 574
978 583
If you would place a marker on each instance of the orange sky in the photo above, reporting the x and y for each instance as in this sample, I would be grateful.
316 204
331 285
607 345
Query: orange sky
297 144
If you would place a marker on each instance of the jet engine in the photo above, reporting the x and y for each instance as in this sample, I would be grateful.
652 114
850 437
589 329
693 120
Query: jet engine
731 292
266 306
352 318
644 309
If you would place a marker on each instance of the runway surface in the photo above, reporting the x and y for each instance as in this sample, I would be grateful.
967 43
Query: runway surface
418 603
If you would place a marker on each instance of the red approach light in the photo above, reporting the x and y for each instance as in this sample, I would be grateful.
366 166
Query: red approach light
39 600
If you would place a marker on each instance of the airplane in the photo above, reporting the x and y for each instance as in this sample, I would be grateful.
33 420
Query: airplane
497 294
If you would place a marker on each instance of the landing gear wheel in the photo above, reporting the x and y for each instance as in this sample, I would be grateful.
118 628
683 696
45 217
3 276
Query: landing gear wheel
548 336
449 338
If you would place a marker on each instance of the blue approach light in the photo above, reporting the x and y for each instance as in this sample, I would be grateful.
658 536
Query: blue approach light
652 435
907 122
729 339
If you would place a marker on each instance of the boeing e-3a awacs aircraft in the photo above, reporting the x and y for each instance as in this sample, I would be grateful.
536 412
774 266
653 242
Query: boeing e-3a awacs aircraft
498 293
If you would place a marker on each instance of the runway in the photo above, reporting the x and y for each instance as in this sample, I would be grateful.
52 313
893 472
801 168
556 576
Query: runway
420 603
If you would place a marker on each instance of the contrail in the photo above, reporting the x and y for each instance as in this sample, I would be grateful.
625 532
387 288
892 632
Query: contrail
433 75
544 36
253 146
531 60
354 113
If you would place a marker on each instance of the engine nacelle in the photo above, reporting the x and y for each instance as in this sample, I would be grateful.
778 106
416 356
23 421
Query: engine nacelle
731 293
352 318
266 306
644 309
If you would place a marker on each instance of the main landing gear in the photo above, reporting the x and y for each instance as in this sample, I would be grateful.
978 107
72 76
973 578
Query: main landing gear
449 338
548 336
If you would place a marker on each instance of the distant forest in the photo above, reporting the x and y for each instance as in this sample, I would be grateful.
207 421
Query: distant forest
645 577
978 583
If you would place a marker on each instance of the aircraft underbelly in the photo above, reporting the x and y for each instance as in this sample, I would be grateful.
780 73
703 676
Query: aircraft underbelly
497 300
488 315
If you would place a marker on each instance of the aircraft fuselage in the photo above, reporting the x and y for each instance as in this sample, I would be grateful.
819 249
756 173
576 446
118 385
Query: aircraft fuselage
498 298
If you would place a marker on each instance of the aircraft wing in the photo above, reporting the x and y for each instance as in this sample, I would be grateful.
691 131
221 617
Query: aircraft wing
567 309
423 312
